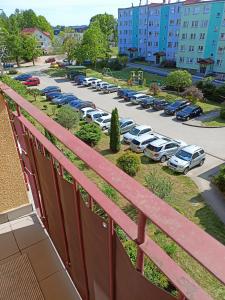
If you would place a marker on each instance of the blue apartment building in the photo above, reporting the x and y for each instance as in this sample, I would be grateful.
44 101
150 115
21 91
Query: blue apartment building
190 33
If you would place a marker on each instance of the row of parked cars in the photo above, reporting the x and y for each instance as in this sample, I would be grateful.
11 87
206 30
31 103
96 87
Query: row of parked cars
181 108
28 79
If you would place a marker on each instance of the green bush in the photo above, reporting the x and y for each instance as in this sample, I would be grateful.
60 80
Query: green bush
15 85
67 117
90 134
12 72
219 179
179 80
115 143
222 114
160 186
129 162
208 89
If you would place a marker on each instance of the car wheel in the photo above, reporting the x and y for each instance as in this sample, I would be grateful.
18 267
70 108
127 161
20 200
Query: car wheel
201 162
186 171
188 118
103 128
163 159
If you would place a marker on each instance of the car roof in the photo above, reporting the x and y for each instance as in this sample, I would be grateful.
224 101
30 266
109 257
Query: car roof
140 94
105 117
87 108
125 120
141 127
160 142
192 148
144 137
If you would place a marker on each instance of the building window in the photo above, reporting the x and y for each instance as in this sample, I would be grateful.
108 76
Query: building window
206 9
218 14
191 48
170 33
222 36
171 22
187 11
175 44
185 24
172 10
193 36
190 60
181 59
182 48
196 10
221 50
204 23
202 36
194 24
200 48
219 62
170 44
184 36
156 44
150 33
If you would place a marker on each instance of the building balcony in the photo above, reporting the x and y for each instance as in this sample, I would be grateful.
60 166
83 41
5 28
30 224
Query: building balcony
71 245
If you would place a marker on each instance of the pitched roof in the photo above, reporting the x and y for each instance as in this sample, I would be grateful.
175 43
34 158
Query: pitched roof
33 29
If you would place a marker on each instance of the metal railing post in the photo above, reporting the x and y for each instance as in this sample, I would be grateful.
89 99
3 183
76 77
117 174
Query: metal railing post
140 240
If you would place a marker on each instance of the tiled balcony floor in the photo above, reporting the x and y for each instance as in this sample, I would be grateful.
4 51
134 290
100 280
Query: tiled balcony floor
26 236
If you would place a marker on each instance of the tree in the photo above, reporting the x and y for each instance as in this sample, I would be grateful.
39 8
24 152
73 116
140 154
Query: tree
123 60
35 93
67 117
14 44
179 80
155 89
193 93
69 47
30 48
93 46
90 134
115 143
129 162
44 25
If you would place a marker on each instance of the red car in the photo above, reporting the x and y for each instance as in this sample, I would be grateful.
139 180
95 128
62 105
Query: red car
33 81
50 60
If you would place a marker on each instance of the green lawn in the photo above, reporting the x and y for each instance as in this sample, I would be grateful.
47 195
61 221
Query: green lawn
217 122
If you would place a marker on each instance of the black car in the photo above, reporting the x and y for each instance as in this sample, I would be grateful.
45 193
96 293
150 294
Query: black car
127 95
121 92
160 104
50 89
147 102
171 109
189 112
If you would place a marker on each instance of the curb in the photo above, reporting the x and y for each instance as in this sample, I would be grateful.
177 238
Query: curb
200 126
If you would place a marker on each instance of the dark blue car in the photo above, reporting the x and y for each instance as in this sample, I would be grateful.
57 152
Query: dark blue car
130 93
171 109
122 92
51 95
64 100
76 102
50 89
78 79
23 77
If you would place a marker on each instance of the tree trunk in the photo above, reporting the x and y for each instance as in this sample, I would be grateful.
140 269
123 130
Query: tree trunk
33 62
17 61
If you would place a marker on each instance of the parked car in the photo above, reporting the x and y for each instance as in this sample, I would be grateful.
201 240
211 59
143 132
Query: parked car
33 81
160 104
50 89
95 82
104 122
23 77
84 104
126 125
78 79
186 159
64 99
100 85
171 109
111 88
121 92
84 111
129 94
51 95
92 116
189 112
163 149
8 65
54 65
74 103
50 60
135 132
147 102
140 143
88 80
136 99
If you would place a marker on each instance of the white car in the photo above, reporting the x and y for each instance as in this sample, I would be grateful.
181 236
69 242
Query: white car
95 82
140 143
136 99
84 111
101 85
88 80
94 115
104 122
136 132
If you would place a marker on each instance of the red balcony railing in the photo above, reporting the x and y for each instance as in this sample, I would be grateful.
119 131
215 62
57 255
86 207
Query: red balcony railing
87 244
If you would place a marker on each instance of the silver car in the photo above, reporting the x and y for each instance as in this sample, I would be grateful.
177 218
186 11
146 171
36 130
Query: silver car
100 85
92 116
136 99
186 159
163 149
140 143
125 125
136 132
95 82
104 122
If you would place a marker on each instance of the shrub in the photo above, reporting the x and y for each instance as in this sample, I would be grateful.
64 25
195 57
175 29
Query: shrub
193 94
12 72
154 89
67 117
208 88
129 162
179 80
115 143
219 179
15 85
168 64
90 134
219 94
123 60
222 114
160 186
34 93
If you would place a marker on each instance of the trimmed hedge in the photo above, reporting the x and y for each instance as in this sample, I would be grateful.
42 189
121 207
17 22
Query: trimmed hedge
129 162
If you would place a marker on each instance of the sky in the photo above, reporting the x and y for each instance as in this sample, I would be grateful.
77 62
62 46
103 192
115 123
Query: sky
69 12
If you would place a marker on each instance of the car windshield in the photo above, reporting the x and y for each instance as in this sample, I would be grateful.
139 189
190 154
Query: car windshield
184 155
134 131
188 109
175 104
106 121
99 120
154 148
135 142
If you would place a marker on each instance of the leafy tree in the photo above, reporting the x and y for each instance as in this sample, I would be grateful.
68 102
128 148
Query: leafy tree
179 80
67 117
115 143
93 46
69 47
90 134
208 88
193 93
44 25
155 89
129 162
123 60
222 114
35 93
30 48
161 186
219 179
